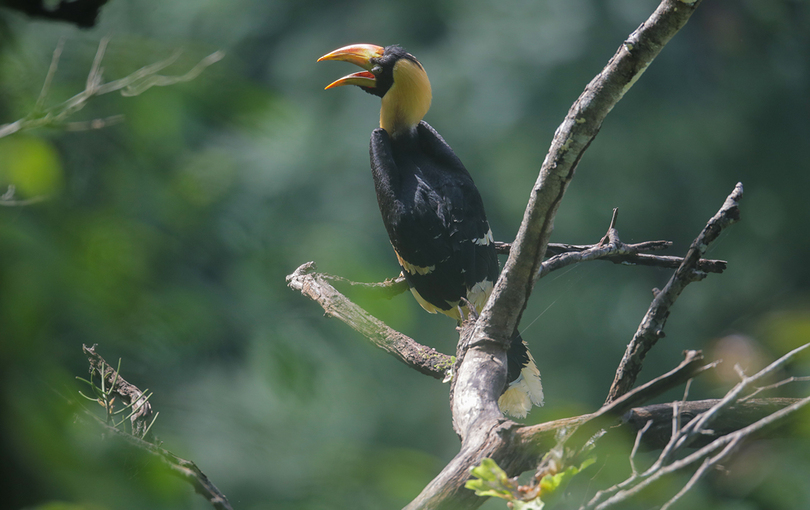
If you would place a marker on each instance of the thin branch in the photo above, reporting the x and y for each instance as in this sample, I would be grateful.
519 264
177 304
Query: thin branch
7 199
695 430
129 393
636 445
635 259
388 289
692 366
131 85
88 125
652 325
46 85
706 418
774 386
734 417
185 469
731 440
420 357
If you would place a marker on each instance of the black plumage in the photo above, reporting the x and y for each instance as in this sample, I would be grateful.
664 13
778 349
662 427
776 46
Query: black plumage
433 213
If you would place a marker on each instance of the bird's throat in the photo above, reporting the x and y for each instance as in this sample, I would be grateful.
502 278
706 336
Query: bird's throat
407 101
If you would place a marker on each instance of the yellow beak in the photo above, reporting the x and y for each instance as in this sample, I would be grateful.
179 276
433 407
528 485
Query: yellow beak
360 55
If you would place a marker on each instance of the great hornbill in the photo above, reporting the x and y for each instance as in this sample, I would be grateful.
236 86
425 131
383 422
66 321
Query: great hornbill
430 206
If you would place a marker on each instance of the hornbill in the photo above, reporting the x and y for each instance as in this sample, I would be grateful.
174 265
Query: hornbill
430 206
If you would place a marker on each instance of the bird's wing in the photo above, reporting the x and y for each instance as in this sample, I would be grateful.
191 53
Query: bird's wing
470 234
435 219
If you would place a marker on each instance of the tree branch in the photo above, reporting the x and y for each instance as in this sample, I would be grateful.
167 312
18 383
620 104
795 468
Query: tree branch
185 469
652 325
634 258
129 393
684 436
135 399
736 416
420 357
613 249
131 85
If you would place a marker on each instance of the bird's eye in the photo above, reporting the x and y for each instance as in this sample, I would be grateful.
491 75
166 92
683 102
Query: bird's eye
376 70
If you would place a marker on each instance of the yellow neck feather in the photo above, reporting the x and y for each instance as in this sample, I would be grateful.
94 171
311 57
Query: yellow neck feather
408 99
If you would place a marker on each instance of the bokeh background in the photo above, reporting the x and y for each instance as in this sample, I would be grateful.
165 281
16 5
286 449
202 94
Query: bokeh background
166 238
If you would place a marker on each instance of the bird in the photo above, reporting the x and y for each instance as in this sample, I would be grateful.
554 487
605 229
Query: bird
430 206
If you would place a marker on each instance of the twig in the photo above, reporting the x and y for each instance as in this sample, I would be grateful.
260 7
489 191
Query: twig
692 366
683 436
88 125
420 357
729 441
652 325
613 249
131 85
699 425
389 288
183 468
733 418
129 393
635 259
7 199
636 445
774 386
46 85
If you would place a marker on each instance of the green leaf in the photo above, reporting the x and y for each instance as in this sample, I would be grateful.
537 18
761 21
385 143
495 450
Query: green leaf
491 481
534 504
551 483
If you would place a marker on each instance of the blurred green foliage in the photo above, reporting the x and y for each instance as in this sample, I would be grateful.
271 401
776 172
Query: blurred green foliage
166 238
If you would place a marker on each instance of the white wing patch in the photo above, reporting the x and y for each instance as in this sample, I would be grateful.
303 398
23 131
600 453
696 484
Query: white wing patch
479 293
486 240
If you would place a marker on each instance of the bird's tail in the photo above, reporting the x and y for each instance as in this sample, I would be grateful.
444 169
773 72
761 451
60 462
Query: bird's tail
525 388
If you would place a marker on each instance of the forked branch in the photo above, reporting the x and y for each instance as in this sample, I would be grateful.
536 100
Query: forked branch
652 325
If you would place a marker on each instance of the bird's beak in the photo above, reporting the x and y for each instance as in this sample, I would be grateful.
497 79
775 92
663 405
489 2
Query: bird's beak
358 54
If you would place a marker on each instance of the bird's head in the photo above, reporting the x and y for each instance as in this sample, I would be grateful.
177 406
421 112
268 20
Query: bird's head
393 74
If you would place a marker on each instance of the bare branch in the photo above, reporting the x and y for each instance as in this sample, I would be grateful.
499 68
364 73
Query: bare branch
129 393
420 357
692 366
7 199
638 258
774 386
728 442
734 417
683 436
652 325
388 289
134 84
88 125
185 469
46 85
